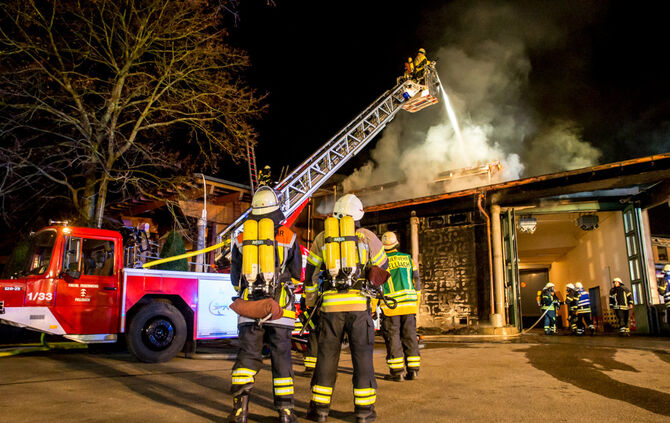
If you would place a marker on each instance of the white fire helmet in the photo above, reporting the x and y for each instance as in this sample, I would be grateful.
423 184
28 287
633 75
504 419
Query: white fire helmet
348 205
389 240
571 286
579 285
617 280
549 285
265 201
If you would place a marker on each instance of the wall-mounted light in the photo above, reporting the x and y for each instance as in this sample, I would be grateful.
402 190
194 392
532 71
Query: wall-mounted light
527 224
587 222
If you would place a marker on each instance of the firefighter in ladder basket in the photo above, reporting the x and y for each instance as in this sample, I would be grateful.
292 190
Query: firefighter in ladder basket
264 258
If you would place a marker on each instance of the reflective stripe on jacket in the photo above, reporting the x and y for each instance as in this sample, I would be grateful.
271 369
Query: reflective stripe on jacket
584 303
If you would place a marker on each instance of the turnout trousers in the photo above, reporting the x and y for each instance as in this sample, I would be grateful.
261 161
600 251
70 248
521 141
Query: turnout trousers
550 322
584 320
250 359
360 330
622 317
312 343
402 347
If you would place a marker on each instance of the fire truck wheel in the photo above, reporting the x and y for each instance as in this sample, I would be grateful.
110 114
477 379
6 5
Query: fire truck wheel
157 333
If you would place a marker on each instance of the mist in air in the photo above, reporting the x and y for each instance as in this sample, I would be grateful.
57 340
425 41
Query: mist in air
483 62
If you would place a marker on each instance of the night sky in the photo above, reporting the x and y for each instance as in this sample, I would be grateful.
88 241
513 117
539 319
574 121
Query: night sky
600 66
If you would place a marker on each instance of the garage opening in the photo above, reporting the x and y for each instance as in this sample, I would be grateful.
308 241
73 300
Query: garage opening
567 248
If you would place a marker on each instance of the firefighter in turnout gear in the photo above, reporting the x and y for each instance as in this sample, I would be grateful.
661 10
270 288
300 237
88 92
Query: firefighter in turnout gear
571 302
353 259
621 301
664 290
548 302
399 324
264 258
420 63
584 311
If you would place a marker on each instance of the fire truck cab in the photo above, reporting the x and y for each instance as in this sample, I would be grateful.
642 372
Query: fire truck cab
74 284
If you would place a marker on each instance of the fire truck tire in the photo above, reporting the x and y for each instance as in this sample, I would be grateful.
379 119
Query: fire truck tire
157 333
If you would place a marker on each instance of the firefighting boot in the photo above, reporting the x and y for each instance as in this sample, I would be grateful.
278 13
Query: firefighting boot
366 417
240 409
592 330
286 415
394 377
412 375
317 414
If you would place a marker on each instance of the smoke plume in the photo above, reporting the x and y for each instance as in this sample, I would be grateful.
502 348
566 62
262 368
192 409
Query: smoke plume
484 64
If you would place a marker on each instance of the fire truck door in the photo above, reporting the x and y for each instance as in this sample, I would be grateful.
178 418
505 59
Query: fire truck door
90 302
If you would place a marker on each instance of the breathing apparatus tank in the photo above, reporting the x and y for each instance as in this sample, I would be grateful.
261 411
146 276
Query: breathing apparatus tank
258 257
332 248
340 252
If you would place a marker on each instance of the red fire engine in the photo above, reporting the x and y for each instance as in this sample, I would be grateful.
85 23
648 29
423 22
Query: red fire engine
75 284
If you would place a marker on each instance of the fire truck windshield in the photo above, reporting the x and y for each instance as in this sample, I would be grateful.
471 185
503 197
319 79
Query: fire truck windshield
39 253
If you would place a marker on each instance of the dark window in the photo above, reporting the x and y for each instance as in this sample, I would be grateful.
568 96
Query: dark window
662 253
98 256
39 253
93 257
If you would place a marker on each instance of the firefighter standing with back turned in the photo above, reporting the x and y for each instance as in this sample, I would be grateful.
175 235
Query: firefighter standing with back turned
399 324
621 301
264 259
584 311
353 258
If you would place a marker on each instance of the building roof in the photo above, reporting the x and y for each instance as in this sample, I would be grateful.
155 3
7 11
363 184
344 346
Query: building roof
635 172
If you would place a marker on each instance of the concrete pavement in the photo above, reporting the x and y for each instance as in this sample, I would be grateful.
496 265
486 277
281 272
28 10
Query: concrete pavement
532 379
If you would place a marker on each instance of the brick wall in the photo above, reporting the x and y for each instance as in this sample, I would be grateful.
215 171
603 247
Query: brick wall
448 259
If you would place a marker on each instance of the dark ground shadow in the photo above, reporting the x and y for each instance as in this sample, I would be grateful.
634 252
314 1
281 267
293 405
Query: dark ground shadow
584 369
170 394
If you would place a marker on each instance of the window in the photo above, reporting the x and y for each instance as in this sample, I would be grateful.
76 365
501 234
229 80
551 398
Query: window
39 253
94 257
98 257
662 253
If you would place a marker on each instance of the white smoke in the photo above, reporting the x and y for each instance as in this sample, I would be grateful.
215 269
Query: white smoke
485 69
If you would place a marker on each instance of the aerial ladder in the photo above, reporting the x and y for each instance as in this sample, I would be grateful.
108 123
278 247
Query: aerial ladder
298 186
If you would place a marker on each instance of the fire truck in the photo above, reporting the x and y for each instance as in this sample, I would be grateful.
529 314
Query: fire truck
79 282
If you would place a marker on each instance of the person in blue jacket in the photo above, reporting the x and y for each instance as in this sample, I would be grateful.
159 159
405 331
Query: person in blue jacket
584 311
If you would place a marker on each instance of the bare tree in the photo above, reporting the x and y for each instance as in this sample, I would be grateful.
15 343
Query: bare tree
116 97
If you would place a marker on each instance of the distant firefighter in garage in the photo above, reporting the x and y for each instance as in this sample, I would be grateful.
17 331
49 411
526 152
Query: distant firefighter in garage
621 301
549 304
399 324
583 311
571 302
664 290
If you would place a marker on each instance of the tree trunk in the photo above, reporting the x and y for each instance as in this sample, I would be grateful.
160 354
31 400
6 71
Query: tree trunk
102 199
87 203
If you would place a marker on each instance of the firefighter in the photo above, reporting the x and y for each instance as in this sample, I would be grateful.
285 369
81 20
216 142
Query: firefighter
571 302
621 301
399 324
265 176
549 304
275 261
409 69
584 311
344 309
664 290
420 63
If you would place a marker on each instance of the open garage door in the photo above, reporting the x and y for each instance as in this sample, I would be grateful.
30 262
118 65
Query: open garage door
510 252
